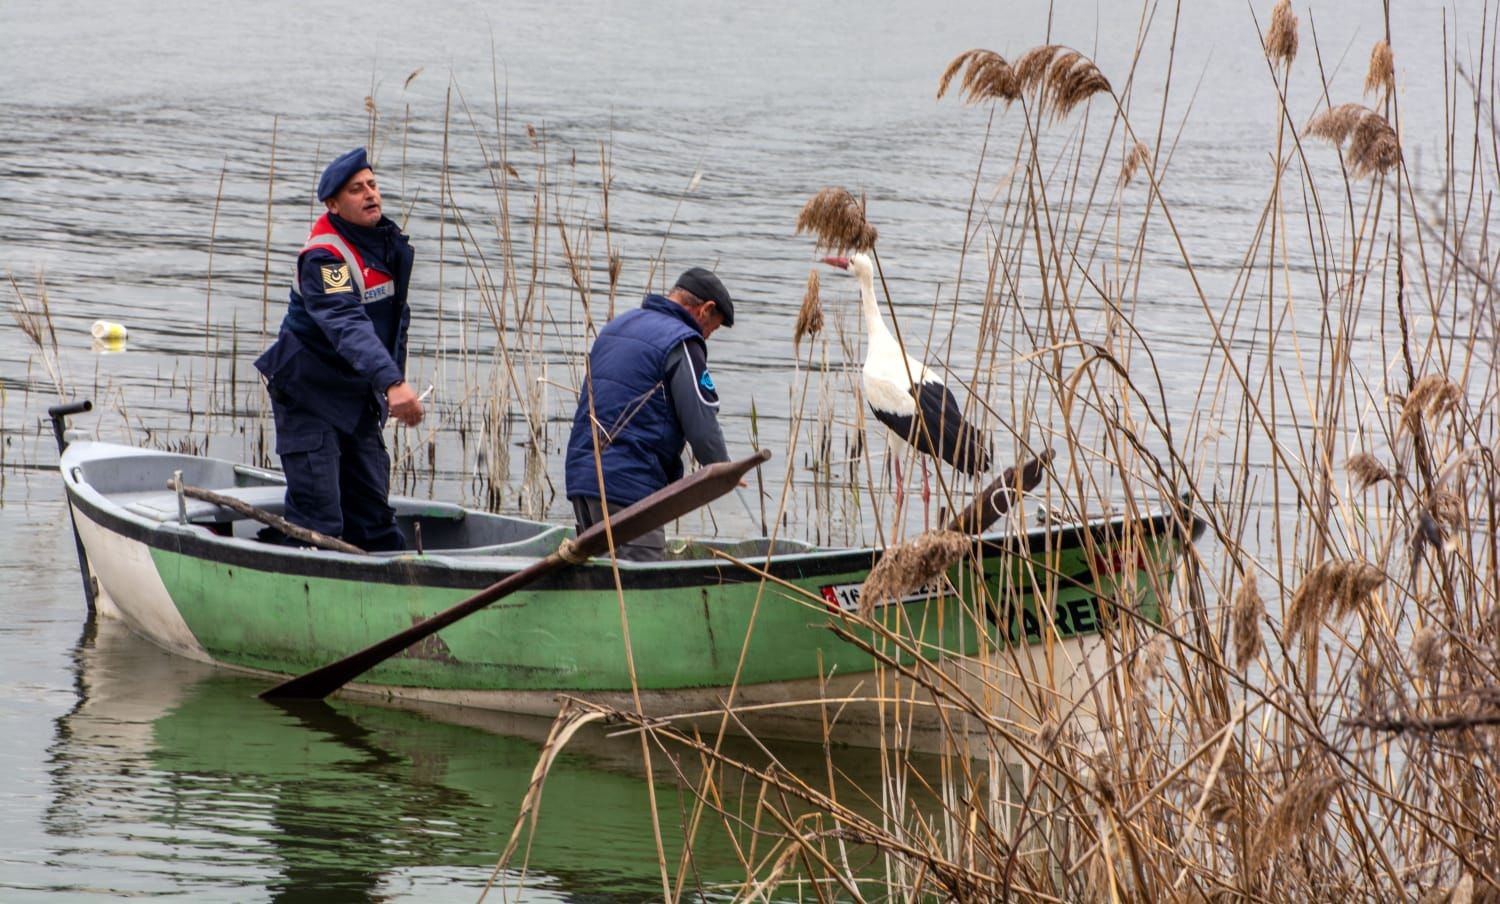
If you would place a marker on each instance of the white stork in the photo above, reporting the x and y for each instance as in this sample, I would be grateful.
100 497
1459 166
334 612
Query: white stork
904 394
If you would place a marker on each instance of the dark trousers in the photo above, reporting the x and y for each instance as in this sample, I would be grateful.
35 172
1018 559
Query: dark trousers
337 483
650 547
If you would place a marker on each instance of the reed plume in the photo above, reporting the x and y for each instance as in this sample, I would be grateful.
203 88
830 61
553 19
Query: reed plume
1427 652
1432 396
1248 610
1140 154
1150 662
1372 146
905 568
1447 507
810 316
987 76
838 221
1062 77
1333 587
1281 37
1367 471
1298 811
1381 76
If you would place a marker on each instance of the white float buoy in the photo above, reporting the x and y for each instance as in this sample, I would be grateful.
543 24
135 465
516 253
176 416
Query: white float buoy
108 331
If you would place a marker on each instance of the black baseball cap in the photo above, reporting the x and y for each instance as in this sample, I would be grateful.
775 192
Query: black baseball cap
705 286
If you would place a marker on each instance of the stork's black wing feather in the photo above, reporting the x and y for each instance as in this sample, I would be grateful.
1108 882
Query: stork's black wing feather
956 441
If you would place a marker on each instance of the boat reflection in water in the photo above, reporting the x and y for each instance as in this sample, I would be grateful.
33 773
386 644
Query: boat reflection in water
171 777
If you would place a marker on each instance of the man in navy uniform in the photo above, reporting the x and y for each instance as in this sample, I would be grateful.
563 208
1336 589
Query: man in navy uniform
337 368
647 393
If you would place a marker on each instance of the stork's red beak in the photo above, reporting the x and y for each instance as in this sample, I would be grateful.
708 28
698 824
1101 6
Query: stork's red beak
841 262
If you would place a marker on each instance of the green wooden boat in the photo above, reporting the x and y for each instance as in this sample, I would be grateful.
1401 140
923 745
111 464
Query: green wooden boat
1018 626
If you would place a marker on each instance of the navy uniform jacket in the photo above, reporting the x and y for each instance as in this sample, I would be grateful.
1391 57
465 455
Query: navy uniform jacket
338 352
651 394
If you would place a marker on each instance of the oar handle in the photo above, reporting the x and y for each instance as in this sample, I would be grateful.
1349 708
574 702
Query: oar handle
665 505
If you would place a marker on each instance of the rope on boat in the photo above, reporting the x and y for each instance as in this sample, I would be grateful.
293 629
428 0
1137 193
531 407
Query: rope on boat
567 550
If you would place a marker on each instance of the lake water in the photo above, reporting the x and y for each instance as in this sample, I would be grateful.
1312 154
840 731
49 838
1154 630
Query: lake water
156 170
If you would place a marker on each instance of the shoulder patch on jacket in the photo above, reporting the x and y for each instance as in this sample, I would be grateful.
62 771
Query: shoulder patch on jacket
697 361
336 278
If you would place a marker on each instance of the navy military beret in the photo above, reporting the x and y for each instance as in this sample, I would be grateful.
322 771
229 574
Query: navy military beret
339 171
705 286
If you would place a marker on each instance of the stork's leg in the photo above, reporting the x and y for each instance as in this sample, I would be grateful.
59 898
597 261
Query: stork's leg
926 498
900 495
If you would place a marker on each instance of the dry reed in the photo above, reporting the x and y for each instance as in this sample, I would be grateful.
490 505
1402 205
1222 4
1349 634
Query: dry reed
987 76
810 315
1248 610
1063 77
1431 397
1372 146
1138 155
837 219
1281 37
1427 652
1380 78
1298 811
910 566
1331 589
1059 77
1367 471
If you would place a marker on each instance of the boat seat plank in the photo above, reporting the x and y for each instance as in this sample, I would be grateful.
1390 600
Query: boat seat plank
162 505
542 544
408 507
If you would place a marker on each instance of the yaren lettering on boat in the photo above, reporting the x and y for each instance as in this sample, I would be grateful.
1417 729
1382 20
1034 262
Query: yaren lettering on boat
1073 613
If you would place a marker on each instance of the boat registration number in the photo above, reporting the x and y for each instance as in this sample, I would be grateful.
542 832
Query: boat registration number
845 597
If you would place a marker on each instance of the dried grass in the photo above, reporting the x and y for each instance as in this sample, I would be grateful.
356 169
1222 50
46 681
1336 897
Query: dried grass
1138 156
1370 144
905 568
810 315
987 76
1427 652
1431 397
1380 78
1367 471
1332 589
1298 811
838 221
1150 661
1249 609
1281 37
1060 77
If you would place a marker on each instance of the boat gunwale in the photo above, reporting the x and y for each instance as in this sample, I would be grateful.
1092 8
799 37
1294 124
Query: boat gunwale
461 570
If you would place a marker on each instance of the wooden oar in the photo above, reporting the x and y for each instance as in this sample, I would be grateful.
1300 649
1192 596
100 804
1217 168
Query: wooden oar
673 501
996 499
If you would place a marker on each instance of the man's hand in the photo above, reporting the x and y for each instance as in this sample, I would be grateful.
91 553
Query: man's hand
404 404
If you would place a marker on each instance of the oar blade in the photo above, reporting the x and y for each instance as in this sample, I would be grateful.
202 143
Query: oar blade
997 498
